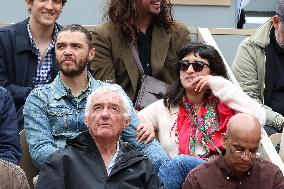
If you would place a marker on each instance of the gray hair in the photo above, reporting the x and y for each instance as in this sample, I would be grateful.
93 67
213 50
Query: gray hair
126 103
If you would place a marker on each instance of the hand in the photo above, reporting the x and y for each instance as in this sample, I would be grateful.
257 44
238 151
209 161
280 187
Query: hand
145 132
202 83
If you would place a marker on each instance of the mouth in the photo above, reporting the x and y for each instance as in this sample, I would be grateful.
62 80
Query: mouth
48 14
104 124
244 166
68 60
189 78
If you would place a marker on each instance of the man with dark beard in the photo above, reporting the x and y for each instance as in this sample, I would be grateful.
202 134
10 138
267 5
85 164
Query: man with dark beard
55 112
258 66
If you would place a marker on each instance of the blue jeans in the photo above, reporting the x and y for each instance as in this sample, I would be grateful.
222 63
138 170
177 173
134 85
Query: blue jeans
173 172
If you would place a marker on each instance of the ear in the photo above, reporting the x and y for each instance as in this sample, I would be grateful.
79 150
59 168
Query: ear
276 21
127 122
92 53
86 121
224 139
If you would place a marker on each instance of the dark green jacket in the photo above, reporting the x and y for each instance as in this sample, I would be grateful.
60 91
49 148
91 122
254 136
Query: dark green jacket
114 61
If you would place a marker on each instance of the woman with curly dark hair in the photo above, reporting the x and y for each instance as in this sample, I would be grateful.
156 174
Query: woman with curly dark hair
150 27
193 115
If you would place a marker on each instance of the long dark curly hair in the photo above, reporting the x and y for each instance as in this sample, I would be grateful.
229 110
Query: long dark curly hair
124 14
176 91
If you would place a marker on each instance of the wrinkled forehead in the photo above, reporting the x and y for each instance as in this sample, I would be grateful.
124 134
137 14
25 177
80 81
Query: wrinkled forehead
106 96
245 140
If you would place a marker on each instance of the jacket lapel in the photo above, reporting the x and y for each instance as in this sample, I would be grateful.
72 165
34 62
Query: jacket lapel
159 49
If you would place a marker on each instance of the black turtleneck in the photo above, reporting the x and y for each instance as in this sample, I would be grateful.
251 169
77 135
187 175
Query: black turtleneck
274 76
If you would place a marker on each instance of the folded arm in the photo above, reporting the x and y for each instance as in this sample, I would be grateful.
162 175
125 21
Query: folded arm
234 97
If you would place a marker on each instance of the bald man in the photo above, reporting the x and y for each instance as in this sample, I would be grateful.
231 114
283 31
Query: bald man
240 167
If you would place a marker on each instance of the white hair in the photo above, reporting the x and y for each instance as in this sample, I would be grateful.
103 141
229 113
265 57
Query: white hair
126 103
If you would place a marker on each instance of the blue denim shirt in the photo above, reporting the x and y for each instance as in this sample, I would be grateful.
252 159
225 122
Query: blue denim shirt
52 115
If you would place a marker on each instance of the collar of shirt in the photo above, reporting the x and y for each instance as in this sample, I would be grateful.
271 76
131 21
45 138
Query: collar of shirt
43 76
62 90
68 91
55 32
113 160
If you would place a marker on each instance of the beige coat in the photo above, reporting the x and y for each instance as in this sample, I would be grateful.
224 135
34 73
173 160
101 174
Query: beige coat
249 69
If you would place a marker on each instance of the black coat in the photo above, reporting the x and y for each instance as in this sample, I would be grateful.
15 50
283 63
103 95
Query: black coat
80 165
18 63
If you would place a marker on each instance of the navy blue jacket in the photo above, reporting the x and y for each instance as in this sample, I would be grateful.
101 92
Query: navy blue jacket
18 63
10 148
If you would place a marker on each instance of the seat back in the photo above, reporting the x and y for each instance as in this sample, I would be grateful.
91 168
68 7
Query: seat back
12 176
26 163
275 139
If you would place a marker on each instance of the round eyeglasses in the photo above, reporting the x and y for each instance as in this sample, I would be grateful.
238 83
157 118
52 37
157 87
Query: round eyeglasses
241 153
196 65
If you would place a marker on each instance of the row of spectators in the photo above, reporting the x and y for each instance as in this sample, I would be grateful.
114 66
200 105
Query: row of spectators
74 92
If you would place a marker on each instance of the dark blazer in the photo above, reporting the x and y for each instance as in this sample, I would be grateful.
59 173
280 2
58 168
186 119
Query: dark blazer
80 165
114 61
10 148
18 63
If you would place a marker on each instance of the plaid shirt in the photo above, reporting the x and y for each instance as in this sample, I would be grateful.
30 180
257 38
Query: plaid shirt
43 69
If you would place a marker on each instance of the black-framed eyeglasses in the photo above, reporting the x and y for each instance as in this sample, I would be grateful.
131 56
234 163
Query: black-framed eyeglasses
196 65
241 153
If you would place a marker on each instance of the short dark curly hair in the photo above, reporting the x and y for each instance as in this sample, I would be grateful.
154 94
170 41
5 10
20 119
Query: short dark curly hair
79 28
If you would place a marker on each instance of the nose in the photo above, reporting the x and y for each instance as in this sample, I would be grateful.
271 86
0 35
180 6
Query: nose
190 69
49 4
105 113
67 51
246 156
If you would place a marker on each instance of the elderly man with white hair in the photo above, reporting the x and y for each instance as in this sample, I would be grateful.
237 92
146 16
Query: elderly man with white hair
98 158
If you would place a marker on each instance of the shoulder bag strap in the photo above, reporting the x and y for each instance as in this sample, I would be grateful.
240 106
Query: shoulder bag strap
137 60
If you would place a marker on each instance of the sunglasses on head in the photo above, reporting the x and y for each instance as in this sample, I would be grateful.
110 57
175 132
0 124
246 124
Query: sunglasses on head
196 65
